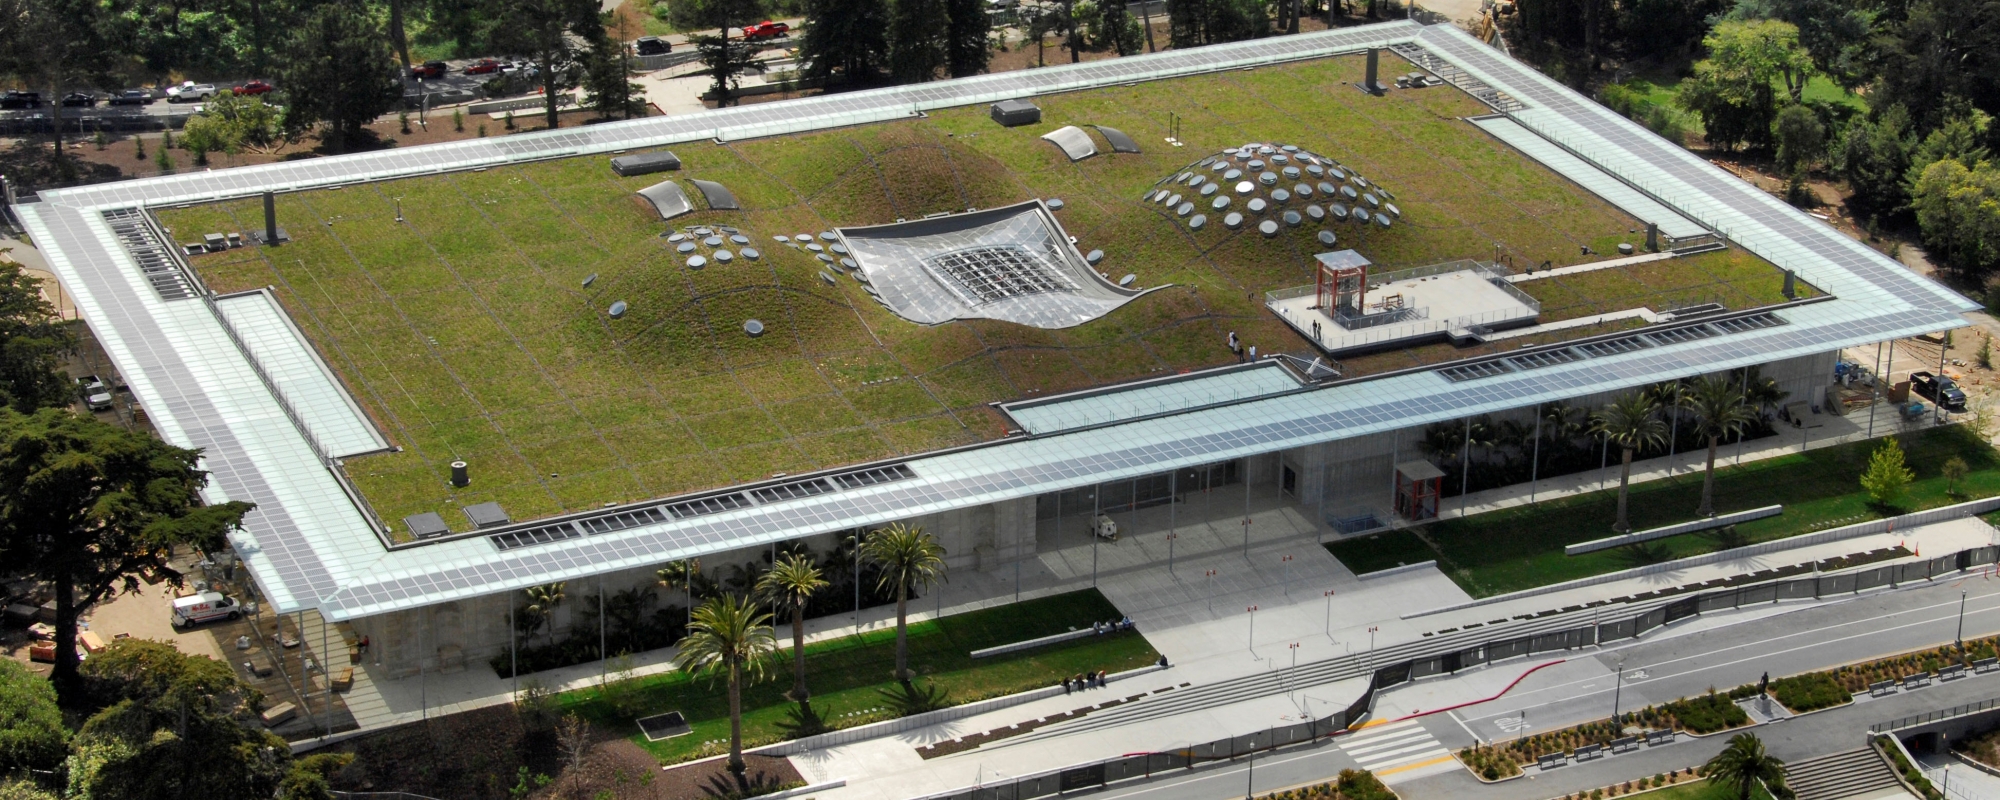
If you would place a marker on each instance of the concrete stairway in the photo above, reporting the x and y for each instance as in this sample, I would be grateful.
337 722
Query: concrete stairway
1855 773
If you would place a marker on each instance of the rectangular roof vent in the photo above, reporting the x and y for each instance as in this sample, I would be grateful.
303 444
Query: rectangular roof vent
1546 358
791 491
1473 372
538 535
870 477
1623 344
708 505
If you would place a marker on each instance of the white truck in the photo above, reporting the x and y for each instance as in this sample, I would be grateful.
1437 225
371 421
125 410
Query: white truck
203 607
190 92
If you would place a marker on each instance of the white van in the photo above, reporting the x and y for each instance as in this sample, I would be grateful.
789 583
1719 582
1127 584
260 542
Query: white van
204 607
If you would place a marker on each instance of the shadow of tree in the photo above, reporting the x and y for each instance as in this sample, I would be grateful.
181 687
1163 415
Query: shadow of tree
908 698
1644 554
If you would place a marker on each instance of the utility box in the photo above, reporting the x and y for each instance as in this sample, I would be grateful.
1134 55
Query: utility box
1015 113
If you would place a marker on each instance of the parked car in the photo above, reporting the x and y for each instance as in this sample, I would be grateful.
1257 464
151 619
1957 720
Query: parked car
484 66
132 97
766 30
1938 389
19 99
652 46
189 92
79 100
204 607
95 393
429 70
254 87
1002 5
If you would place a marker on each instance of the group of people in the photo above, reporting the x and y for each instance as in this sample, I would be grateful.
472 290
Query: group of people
1112 626
1084 680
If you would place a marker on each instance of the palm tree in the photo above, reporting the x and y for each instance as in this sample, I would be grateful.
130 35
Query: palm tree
1632 422
680 575
731 636
1562 423
542 602
793 581
909 558
1719 410
1743 764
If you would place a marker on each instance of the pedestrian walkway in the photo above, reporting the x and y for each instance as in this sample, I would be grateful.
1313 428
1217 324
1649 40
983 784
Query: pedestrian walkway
1398 751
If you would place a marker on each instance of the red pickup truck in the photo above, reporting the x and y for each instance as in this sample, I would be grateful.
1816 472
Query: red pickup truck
766 30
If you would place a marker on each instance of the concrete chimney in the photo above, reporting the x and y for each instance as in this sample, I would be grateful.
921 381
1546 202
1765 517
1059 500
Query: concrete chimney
1371 85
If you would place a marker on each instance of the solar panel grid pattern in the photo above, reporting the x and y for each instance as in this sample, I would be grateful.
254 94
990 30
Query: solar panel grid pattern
296 574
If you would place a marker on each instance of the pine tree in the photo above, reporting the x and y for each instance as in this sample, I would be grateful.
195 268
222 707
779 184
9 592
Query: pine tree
1887 476
917 40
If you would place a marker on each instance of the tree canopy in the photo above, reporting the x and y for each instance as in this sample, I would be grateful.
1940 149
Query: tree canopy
33 343
86 506
338 74
31 725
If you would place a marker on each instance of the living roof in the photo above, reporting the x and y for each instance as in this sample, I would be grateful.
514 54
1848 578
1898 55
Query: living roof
466 332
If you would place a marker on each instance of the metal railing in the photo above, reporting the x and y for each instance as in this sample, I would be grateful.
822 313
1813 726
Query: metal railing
1450 654
1914 720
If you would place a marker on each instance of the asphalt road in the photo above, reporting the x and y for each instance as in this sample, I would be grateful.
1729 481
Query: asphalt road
1676 665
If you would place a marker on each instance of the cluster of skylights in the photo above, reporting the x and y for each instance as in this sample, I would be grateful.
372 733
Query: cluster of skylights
1272 187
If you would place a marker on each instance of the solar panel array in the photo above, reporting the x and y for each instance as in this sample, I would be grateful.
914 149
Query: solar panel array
698 507
1606 348
143 244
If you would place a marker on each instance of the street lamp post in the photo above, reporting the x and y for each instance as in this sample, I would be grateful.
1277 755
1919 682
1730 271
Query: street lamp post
1292 677
1170 551
1960 637
1329 613
1211 590
1287 561
1253 630
1618 688
1371 645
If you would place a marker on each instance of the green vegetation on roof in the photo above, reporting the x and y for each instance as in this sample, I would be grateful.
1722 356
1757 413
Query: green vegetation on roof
466 332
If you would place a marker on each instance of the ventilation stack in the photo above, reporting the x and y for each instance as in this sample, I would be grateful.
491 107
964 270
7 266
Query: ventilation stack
1652 237
1371 85
460 477
271 217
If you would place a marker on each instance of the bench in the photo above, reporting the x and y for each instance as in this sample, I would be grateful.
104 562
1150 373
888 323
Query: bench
279 714
1880 688
1952 672
1985 665
1551 761
1589 752
343 680
1625 745
1917 681
1654 738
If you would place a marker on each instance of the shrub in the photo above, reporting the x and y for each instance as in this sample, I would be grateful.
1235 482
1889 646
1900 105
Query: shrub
1809 692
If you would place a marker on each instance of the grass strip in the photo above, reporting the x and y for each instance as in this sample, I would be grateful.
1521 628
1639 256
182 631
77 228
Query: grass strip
1522 547
851 676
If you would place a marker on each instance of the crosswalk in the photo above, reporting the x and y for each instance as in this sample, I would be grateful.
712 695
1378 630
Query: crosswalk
1397 751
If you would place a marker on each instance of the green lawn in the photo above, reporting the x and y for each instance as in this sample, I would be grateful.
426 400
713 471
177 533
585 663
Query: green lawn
848 675
1522 547
467 332
1703 790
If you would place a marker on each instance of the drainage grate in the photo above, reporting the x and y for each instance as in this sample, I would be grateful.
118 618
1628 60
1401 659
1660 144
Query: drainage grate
791 491
708 505
1749 323
1613 347
1681 335
1546 358
533 536
870 477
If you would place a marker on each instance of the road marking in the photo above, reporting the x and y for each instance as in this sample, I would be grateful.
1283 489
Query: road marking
1391 746
1747 645
1419 765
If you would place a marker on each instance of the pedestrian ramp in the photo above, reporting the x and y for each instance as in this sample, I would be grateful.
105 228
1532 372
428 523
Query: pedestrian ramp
1398 751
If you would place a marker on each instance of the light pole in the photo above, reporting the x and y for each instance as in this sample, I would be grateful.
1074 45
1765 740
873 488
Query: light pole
1371 645
1960 637
1617 689
1287 561
1211 591
1170 551
1329 613
1292 677
1250 783
1253 630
